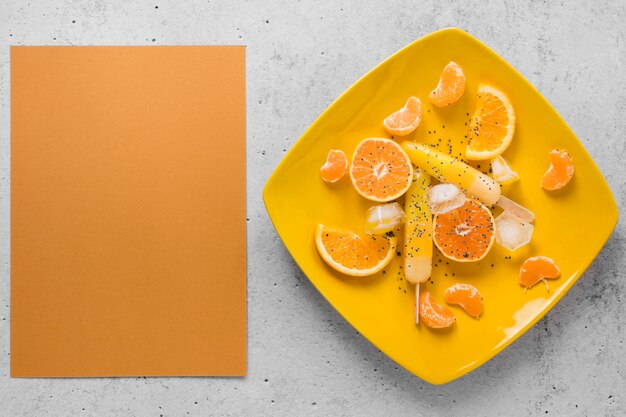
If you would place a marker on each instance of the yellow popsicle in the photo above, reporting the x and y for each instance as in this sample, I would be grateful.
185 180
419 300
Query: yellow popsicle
447 168
418 227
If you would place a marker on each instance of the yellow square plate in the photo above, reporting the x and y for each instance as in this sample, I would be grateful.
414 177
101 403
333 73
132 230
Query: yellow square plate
571 227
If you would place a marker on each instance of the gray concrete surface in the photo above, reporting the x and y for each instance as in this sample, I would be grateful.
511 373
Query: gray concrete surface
304 359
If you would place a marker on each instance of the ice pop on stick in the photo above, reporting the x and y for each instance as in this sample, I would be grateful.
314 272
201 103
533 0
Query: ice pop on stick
447 168
418 227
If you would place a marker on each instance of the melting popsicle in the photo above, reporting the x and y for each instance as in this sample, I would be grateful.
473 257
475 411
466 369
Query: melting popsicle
447 168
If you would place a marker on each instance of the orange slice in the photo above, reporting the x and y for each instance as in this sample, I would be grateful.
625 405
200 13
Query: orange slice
405 120
465 234
381 170
434 315
354 254
560 172
538 268
492 126
451 86
335 167
466 296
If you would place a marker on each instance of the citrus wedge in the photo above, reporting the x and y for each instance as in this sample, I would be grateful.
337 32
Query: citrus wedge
466 296
335 167
405 120
492 126
560 172
434 315
536 269
354 254
450 87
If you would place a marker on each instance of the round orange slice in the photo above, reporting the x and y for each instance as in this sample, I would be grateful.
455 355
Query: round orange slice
405 120
434 315
465 234
354 254
538 268
560 172
381 170
335 167
466 296
451 86
492 126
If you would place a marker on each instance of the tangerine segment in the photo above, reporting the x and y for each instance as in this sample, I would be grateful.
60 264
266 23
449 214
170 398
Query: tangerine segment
354 254
381 170
537 268
466 296
434 315
451 86
465 234
335 167
560 172
405 120
492 125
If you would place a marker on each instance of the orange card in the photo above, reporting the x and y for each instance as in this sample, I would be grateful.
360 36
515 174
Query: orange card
128 211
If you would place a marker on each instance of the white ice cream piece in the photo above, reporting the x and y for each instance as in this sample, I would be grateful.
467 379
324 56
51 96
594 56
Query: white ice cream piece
384 218
445 197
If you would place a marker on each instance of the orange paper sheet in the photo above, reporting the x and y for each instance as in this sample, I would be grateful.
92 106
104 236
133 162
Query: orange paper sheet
128 246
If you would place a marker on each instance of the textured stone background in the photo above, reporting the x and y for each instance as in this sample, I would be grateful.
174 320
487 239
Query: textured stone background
304 359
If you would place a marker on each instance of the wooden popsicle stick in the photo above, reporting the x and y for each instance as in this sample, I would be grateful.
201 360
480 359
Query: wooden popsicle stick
417 303
515 209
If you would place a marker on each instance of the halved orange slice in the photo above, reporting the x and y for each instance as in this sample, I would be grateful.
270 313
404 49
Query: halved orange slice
466 296
354 254
560 172
451 86
536 269
405 120
465 234
434 315
492 126
335 167
381 170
